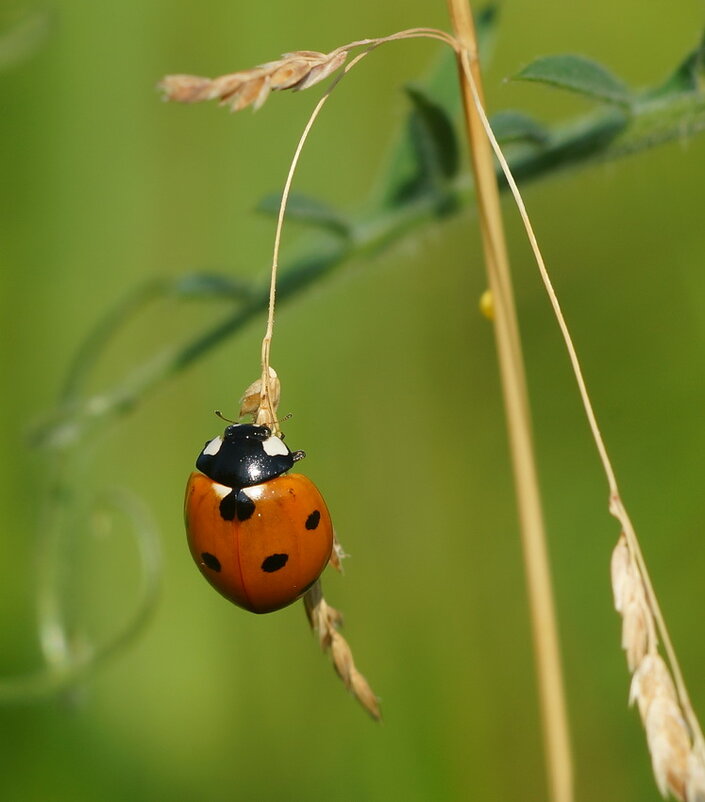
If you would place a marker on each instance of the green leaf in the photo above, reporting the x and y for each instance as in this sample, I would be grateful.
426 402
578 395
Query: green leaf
515 126
305 209
435 153
441 86
577 74
687 77
211 285
433 136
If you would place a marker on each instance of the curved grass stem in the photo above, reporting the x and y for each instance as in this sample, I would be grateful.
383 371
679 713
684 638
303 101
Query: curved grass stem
267 411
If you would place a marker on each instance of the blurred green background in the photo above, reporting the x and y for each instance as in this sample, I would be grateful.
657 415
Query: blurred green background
103 186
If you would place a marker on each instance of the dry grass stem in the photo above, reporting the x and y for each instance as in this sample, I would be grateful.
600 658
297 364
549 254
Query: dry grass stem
325 622
549 673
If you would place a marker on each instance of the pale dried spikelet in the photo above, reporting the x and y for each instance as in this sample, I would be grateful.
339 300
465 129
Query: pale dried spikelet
635 631
298 70
630 601
652 680
695 785
621 573
325 621
337 555
669 745
251 398
667 734
677 768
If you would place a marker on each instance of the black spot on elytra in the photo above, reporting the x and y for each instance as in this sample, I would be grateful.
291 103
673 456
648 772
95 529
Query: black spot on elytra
227 506
210 561
245 506
236 503
274 562
313 520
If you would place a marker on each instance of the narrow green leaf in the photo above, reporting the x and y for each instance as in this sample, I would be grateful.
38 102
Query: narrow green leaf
577 74
515 126
310 211
211 285
687 77
435 150
433 136
440 84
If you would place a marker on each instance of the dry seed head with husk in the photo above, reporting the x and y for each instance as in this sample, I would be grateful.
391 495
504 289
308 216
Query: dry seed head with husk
298 70
325 622
676 754
324 619
251 401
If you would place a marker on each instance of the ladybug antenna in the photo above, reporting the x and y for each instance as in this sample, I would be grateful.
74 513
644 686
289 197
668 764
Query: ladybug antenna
284 420
222 417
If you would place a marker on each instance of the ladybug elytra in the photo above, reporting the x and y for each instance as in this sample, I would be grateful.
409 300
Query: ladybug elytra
259 535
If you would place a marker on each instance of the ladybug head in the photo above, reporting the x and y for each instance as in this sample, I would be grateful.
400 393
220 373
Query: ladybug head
239 432
246 455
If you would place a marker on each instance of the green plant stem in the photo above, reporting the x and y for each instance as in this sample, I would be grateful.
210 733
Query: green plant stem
516 401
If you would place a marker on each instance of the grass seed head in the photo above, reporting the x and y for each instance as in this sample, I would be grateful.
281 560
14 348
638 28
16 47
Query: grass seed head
238 90
669 745
695 784
677 765
325 622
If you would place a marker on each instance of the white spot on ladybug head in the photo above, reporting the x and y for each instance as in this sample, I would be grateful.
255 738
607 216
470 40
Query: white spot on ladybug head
214 446
274 446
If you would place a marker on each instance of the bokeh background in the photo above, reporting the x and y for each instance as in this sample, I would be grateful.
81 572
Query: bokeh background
103 186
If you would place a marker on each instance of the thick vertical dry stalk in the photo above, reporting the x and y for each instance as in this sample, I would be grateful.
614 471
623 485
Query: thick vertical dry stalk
545 634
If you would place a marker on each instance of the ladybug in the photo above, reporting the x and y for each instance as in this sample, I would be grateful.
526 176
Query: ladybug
259 535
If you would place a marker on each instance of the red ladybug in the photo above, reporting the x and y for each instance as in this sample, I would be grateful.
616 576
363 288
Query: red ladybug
260 536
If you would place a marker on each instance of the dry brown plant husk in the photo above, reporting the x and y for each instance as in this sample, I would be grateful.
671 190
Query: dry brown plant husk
325 622
298 70
251 401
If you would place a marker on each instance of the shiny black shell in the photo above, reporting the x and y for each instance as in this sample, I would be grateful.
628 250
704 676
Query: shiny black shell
242 460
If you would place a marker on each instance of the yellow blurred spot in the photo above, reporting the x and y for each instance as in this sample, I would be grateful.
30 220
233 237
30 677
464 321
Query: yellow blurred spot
487 304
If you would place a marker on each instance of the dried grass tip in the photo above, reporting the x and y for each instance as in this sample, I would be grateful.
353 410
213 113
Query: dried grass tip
325 622
237 90
675 748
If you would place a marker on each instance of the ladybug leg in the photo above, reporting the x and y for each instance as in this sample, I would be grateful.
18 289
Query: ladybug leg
237 504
